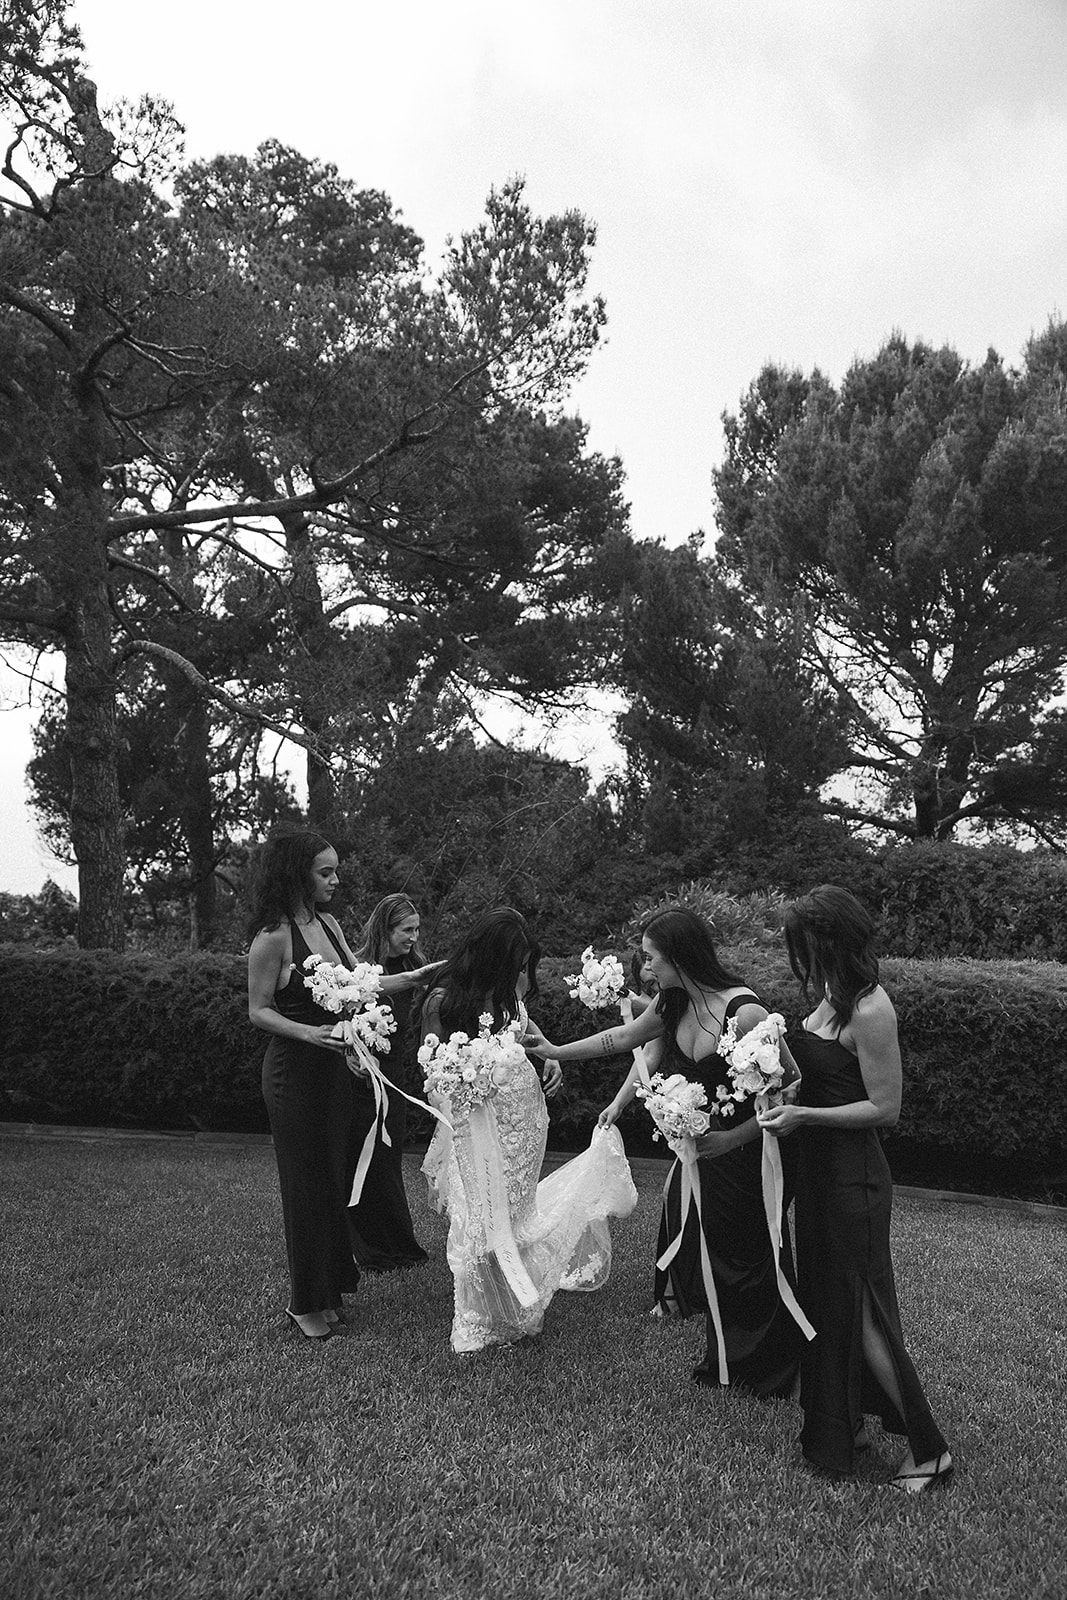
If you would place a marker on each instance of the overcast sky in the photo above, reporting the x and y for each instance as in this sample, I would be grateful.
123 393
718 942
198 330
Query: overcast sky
784 180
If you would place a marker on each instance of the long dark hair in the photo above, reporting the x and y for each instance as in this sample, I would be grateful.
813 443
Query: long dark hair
685 940
374 940
282 877
830 939
482 972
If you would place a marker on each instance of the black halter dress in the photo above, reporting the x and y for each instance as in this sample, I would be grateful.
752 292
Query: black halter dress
844 1199
308 1095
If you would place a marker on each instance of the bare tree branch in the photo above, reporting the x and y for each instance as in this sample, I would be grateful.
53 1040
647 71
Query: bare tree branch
212 691
42 314
153 577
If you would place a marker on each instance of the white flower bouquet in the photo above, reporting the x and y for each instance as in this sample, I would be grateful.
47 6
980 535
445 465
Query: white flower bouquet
467 1072
676 1106
351 993
755 1062
600 982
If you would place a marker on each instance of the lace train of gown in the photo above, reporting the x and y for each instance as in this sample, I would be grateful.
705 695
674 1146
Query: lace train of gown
559 1225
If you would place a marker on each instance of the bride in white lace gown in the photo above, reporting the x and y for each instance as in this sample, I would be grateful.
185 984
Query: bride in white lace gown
512 1241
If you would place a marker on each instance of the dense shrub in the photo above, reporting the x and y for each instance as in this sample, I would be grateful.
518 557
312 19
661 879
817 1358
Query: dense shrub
959 900
138 1040
984 1049
94 1037
754 918
49 917
989 903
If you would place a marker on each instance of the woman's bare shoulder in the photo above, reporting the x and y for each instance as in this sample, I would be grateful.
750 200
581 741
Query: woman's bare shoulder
270 941
874 1004
873 1017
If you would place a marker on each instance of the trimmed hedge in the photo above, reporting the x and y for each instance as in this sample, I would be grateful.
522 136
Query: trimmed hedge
985 903
91 1037
128 1040
984 1048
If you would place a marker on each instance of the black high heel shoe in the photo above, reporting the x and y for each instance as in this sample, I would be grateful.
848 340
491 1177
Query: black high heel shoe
316 1338
925 1481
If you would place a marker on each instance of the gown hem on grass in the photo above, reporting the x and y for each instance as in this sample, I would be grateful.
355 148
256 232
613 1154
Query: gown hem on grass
559 1225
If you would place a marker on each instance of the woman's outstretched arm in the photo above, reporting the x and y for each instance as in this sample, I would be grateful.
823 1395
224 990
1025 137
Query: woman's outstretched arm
609 1042
653 1052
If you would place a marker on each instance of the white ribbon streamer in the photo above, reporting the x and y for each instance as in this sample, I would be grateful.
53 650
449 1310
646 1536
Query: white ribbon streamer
488 1163
685 1149
689 1180
380 1085
773 1184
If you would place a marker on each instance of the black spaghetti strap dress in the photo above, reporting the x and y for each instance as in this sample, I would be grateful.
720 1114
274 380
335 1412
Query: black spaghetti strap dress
843 1203
308 1095
762 1341
380 1227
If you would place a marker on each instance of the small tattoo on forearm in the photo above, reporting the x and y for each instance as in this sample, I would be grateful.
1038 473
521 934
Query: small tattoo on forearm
606 1047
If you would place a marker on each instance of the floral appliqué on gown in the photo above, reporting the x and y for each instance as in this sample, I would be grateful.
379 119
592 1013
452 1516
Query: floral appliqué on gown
559 1225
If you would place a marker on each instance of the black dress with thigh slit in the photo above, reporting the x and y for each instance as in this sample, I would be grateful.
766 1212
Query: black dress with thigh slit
843 1202
379 1226
761 1339
308 1094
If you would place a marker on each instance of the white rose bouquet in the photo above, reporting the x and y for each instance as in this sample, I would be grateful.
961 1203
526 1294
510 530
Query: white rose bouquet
755 1062
676 1106
600 982
467 1072
351 993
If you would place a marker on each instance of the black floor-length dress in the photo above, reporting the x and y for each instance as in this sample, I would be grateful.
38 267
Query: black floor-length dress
308 1095
843 1203
762 1340
380 1227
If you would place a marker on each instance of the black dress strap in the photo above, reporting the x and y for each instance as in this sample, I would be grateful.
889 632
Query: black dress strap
334 941
745 998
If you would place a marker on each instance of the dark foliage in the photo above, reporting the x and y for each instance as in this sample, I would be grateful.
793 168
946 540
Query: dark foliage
98 1038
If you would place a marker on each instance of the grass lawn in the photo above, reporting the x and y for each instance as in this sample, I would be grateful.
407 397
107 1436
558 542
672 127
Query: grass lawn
167 1434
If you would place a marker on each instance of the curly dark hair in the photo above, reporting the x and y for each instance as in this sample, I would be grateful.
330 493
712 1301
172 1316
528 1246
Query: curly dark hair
830 939
374 940
483 970
685 940
282 876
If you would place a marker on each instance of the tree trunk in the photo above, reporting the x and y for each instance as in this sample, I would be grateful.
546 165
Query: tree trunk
315 636
79 573
198 824
192 779
96 826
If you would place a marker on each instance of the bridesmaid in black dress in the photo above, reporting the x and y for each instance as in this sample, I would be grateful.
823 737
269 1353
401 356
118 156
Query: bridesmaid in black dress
380 1227
679 1032
849 1058
306 1084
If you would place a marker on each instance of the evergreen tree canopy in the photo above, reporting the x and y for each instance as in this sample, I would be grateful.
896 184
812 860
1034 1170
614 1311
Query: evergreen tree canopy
253 404
915 519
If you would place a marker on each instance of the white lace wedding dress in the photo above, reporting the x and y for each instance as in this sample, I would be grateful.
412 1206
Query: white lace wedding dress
506 1268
